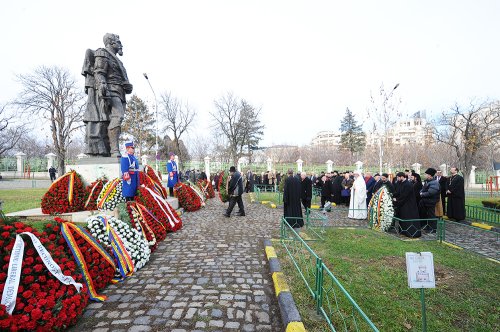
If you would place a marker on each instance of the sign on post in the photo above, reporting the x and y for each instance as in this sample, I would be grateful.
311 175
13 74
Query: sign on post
420 270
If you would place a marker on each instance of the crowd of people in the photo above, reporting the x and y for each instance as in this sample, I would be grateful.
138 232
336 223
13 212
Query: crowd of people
416 200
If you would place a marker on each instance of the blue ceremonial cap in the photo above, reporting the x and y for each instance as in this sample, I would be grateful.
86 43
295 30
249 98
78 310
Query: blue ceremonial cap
129 144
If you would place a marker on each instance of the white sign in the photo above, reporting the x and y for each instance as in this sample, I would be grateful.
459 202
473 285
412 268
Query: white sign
420 270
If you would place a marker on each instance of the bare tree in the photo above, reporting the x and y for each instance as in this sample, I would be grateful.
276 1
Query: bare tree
52 94
199 147
10 132
239 123
468 129
178 117
383 114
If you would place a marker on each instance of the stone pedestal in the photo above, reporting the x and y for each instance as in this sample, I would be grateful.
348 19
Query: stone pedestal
207 166
93 168
416 167
472 177
329 166
21 157
269 164
299 165
51 158
359 165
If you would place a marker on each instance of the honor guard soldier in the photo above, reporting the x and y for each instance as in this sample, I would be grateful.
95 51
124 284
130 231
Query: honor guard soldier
129 166
172 171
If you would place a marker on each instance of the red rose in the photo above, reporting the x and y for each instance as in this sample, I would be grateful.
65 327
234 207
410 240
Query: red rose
36 314
38 267
6 235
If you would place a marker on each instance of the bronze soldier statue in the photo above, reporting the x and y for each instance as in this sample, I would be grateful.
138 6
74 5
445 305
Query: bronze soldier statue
106 84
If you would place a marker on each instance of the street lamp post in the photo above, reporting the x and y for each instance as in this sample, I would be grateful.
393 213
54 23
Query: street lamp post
380 149
156 115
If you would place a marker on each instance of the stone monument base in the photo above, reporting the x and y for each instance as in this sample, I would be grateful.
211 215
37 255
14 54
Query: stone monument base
93 168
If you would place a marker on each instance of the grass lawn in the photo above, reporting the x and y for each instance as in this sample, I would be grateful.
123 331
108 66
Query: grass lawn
21 199
371 266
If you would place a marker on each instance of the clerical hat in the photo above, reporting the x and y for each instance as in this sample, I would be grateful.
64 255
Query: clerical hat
129 144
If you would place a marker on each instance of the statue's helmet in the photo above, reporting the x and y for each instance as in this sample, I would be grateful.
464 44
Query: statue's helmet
109 38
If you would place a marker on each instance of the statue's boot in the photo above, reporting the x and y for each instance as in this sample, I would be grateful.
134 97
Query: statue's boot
114 139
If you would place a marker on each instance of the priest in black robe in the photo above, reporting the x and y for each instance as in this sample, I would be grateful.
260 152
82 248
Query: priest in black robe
292 193
456 196
406 207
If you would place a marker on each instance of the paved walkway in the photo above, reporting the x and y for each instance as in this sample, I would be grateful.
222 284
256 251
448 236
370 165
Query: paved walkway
212 275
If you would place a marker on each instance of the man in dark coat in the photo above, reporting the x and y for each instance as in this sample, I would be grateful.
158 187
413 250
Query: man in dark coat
384 181
370 182
52 172
306 190
235 190
406 207
442 180
326 190
456 196
291 201
337 187
429 197
417 186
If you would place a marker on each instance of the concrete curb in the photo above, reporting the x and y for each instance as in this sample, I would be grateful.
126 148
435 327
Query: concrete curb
289 313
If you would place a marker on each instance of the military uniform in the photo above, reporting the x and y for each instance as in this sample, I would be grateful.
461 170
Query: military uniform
173 176
129 166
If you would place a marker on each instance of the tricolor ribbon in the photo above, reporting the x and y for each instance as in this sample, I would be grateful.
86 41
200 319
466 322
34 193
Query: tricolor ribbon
11 287
109 189
66 230
143 225
125 263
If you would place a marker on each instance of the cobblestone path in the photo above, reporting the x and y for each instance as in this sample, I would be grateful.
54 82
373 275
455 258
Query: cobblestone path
483 242
212 275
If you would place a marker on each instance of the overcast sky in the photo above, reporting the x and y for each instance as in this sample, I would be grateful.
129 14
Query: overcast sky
303 62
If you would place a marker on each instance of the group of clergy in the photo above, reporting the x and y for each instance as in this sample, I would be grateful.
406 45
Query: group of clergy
416 203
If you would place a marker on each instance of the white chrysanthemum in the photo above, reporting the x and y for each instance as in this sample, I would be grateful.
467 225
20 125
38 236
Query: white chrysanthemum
133 240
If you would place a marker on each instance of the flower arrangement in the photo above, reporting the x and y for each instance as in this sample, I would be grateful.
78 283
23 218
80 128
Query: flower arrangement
222 187
99 269
207 188
43 303
110 195
145 222
92 192
381 209
134 242
198 191
160 209
189 200
66 194
156 179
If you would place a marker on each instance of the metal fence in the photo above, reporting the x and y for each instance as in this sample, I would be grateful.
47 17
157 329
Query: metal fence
482 214
332 301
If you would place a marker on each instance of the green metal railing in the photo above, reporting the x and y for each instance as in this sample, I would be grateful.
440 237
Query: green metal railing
332 300
316 222
483 214
274 196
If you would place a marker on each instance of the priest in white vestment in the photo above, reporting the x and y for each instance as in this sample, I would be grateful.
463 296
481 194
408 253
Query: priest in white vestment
357 205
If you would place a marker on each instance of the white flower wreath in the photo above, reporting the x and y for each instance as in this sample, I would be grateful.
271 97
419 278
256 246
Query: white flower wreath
114 198
133 240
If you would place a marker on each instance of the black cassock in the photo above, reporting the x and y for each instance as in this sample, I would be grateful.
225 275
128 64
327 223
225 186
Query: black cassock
406 208
292 192
456 199
337 189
